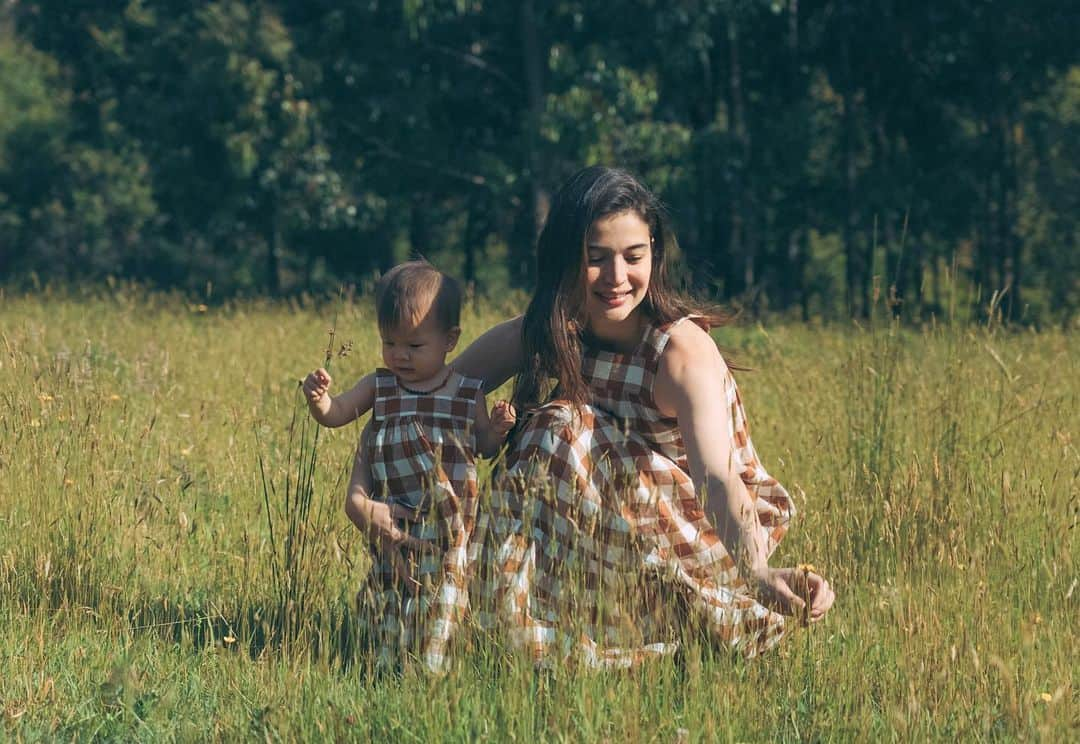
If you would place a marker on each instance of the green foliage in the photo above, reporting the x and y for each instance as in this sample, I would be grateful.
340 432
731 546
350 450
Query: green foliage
68 208
1050 204
279 146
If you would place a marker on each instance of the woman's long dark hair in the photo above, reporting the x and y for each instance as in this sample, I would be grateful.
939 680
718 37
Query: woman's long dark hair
555 319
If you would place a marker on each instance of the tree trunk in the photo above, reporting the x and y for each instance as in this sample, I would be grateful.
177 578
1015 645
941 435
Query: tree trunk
419 233
707 250
740 249
1010 241
794 204
534 58
473 239
804 261
852 257
274 244
854 272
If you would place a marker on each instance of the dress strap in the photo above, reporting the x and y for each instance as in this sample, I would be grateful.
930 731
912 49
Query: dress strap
470 387
386 388
659 335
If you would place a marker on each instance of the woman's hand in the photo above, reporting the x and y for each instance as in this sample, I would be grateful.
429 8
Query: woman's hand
795 591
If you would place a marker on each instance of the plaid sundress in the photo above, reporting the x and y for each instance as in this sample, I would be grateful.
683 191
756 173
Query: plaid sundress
600 549
420 449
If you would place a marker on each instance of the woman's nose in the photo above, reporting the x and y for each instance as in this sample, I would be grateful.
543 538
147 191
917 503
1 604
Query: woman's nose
616 271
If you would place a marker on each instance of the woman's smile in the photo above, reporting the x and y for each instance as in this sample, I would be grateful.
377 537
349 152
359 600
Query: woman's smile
614 299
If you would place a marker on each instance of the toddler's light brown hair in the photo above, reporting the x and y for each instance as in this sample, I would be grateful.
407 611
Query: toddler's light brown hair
406 293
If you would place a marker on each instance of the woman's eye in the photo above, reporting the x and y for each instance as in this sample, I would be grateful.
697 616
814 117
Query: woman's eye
594 260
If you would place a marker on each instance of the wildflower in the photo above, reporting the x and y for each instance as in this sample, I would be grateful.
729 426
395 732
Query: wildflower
1046 697
807 567
68 482
45 398
113 397
229 638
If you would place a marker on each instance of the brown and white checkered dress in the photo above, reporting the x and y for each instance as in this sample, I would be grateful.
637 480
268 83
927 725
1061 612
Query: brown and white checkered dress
598 545
421 454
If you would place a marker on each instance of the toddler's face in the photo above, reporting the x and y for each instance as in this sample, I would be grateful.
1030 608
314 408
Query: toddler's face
416 354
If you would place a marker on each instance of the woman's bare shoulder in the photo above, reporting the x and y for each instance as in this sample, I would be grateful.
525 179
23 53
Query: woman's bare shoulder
688 342
690 362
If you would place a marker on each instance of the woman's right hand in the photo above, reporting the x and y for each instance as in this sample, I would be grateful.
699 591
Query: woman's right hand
795 591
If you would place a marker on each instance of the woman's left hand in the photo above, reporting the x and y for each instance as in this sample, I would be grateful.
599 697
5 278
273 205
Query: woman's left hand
796 591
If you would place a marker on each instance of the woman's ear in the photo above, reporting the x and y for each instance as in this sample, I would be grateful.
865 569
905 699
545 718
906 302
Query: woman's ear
452 337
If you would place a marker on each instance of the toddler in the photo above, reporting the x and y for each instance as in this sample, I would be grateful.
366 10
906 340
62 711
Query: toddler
426 417
427 423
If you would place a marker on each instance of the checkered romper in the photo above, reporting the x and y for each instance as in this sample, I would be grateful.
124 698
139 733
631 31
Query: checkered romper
601 550
420 451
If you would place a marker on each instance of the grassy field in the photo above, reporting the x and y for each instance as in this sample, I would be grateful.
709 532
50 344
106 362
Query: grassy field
937 473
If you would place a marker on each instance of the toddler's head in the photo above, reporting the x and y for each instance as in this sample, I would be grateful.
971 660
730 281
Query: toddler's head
418 309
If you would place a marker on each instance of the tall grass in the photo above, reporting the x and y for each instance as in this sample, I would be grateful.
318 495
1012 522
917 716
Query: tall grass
299 546
936 471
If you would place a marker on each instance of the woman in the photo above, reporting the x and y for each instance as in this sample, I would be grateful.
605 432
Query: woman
632 502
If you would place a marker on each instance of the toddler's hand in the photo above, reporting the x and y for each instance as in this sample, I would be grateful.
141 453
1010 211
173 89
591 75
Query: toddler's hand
503 417
316 385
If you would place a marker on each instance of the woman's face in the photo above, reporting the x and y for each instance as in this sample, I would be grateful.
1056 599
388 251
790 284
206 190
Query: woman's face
618 269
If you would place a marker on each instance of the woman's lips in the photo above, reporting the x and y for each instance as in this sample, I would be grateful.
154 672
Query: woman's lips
613 299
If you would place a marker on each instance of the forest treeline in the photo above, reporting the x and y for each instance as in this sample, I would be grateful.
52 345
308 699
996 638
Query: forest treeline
816 155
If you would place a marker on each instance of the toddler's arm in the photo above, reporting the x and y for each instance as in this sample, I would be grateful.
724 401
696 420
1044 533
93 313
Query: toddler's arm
491 430
376 519
337 411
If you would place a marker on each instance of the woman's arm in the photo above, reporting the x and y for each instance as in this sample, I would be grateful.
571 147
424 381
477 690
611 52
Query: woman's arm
494 357
691 386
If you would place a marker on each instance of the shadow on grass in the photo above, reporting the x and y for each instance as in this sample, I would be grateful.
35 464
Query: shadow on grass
195 621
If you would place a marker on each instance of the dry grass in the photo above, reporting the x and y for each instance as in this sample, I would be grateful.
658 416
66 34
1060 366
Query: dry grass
940 468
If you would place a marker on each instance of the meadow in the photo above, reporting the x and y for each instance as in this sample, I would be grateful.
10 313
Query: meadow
936 470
